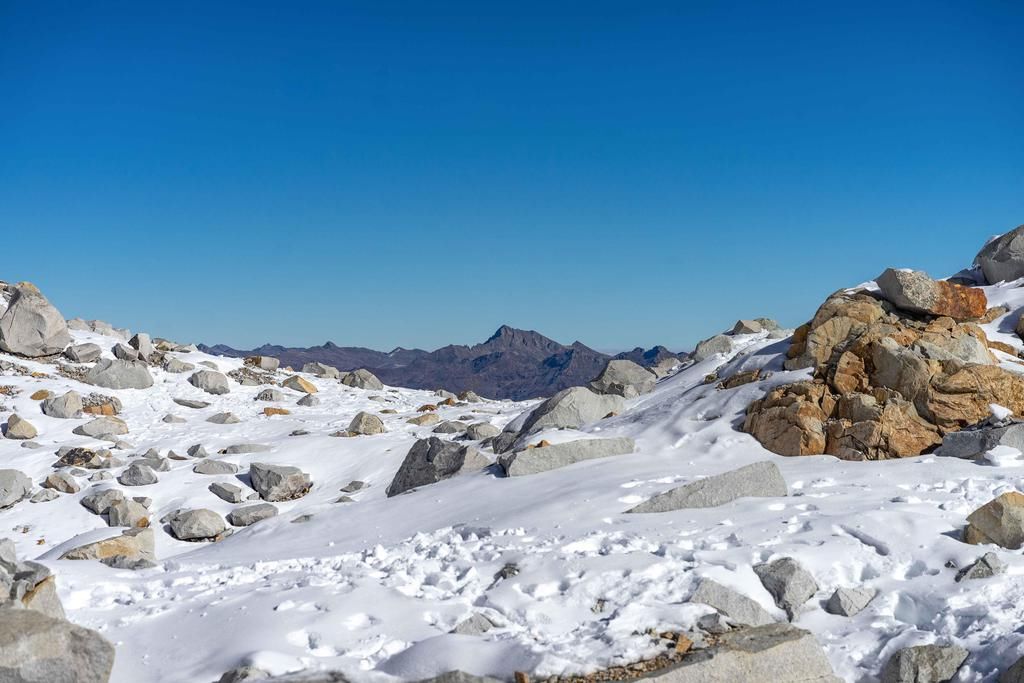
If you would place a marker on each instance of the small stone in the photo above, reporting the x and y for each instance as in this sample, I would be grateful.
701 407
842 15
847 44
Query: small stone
61 481
197 525
789 583
223 419
228 492
308 401
296 383
189 403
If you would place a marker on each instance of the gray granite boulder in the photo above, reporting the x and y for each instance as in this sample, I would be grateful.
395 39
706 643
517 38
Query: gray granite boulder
1003 257
83 353
279 482
624 378
738 607
119 374
554 456
65 407
712 346
196 525
250 514
362 379
924 664
14 487
432 460
572 408
366 423
210 381
31 326
847 602
35 648
757 480
788 582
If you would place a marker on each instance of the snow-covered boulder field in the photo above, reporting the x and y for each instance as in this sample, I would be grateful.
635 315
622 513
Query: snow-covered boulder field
843 502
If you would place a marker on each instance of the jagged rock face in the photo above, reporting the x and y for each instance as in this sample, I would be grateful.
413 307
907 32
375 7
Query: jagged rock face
886 383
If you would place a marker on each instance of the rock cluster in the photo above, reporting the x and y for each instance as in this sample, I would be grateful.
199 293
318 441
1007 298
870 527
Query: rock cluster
887 382
36 642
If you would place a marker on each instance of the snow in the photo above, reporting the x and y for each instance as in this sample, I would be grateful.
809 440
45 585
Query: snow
374 587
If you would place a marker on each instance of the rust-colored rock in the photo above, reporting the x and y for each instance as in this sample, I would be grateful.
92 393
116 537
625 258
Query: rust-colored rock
915 292
100 409
41 395
276 411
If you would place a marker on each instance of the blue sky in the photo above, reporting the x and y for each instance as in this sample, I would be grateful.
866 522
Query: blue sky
416 174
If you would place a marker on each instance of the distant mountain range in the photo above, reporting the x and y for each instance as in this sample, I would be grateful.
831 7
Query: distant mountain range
513 364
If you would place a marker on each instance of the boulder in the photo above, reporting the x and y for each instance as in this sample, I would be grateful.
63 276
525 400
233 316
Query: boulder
449 427
142 343
176 365
19 428
98 502
924 664
31 326
14 486
738 607
847 602
432 460
424 420
61 481
210 381
223 419
101 427
309 400
322 370
757 480
999 521
665 367
263 363
914 291
119 374
366 423
35 648
469 396
747 327
975 441
196 525
279 482
250 514
482 430
137 474
189 403
1002 258
98 404
554 456
230 493
719 344
124 352
624 378
789 583
986 566
362 379
773 652
573 408
240 448
296 383
132 544
215 467
270 395
128 513
83 353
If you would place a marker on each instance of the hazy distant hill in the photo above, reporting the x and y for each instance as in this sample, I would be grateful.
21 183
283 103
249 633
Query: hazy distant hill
514 364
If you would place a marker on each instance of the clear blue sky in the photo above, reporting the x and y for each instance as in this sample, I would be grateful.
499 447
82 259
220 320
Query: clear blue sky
416 174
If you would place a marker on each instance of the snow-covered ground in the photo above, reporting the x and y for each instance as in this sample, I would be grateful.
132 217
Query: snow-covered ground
373 587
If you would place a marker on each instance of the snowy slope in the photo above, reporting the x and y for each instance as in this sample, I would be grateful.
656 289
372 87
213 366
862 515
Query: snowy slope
373 587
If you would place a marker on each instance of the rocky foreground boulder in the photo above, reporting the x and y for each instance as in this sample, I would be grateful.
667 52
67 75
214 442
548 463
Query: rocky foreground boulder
37 644
887 382
31 326
432 460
